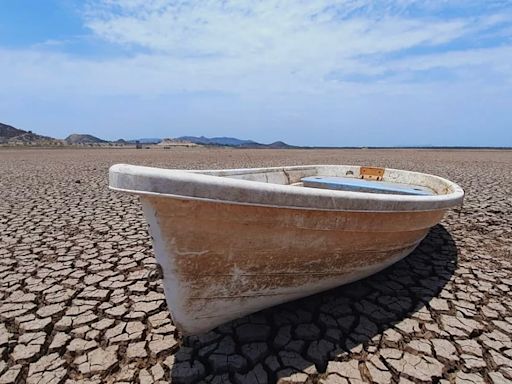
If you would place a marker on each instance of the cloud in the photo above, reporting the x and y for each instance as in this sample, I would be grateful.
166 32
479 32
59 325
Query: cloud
285 36
291 54
272 45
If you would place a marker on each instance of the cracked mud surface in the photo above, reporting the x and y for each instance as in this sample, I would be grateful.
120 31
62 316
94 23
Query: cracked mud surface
81 301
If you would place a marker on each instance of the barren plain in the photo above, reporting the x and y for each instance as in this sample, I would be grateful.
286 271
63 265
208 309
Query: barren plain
81 300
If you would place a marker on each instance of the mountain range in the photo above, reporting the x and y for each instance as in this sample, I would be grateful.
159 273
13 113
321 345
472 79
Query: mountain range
232 142
14 136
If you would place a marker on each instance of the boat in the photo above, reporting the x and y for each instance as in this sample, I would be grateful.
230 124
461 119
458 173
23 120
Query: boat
235 241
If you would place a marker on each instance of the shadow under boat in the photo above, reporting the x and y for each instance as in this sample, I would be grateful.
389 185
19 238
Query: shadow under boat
320 328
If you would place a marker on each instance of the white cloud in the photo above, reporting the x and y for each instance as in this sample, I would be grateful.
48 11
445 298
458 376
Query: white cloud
279 45
281 52
266 31
270 45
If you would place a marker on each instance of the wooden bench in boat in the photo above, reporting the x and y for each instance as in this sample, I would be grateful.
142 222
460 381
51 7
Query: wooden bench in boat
369 186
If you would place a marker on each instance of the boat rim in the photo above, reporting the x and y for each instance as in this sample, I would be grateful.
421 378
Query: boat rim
141 180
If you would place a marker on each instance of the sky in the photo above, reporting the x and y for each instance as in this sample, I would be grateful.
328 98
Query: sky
309 72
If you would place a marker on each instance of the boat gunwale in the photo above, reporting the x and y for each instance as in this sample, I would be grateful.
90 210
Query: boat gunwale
205 199
364 201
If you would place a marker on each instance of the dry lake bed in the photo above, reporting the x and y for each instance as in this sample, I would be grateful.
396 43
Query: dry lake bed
81 300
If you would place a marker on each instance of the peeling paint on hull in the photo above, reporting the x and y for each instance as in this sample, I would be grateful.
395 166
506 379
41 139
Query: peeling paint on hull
219 267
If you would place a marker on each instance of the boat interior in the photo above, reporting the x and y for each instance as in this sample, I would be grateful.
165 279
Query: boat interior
343 178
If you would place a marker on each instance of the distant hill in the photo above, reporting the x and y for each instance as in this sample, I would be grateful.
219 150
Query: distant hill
16 136
232 142
280 145
77 138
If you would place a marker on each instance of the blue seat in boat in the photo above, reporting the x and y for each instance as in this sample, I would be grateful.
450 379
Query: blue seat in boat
369 186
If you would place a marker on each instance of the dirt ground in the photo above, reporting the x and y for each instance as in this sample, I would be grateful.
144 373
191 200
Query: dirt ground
81 301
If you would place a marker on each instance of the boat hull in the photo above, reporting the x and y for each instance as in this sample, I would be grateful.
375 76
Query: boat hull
221 261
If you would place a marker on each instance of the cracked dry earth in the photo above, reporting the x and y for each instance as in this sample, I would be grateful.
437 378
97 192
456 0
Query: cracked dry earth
81 301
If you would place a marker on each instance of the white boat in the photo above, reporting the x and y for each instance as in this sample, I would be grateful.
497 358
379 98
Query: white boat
232 242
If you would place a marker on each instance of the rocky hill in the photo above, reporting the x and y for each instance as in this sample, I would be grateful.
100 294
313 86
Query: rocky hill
15 136
8 131
78 138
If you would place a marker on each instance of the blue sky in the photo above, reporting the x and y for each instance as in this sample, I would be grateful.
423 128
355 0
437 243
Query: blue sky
315 72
